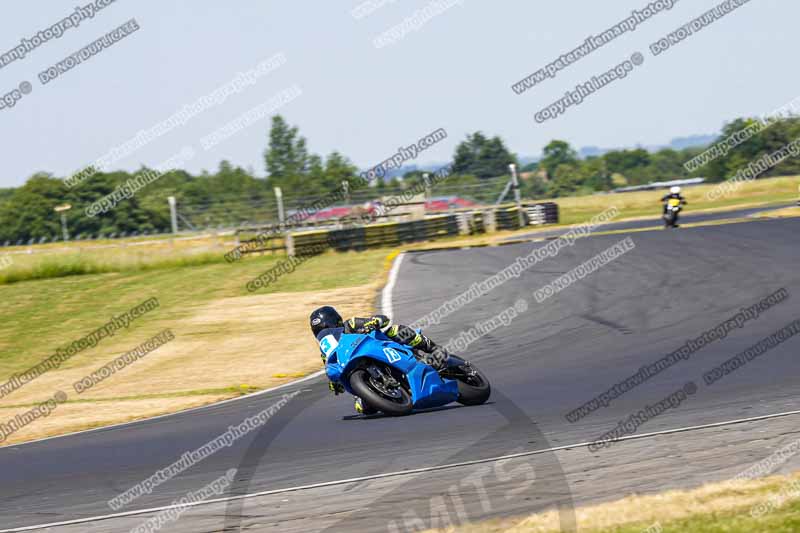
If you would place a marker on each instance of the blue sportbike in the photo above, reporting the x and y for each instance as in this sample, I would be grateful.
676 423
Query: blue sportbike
390 379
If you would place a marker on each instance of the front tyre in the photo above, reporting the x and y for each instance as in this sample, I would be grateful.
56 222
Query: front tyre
376 392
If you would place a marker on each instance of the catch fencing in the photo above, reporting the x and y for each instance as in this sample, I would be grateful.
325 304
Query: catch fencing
253 214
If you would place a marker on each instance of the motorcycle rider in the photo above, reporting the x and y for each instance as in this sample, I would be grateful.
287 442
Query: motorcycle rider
673 198
326 321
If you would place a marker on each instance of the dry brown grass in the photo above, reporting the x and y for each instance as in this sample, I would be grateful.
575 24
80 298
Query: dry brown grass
665 507
258 341
244 340
781 213
646 203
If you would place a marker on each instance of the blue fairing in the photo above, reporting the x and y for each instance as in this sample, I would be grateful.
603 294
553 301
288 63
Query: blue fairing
348 351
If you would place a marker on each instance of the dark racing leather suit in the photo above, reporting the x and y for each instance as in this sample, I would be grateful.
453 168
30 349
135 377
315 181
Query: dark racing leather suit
398 333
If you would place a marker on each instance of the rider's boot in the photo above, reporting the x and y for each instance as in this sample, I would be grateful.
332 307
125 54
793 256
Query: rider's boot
362 408
440 357
437 356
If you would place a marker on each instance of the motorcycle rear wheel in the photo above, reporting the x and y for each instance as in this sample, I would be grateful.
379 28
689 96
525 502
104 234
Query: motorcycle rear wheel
473 386
365 387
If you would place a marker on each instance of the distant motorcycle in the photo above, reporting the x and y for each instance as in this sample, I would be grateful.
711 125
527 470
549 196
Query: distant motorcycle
388 378
671 212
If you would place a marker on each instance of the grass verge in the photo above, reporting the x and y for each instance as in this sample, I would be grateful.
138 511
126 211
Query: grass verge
225 337
79 258
575 209
789 212
770 504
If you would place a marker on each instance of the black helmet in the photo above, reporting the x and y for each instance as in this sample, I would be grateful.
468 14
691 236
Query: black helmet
324 318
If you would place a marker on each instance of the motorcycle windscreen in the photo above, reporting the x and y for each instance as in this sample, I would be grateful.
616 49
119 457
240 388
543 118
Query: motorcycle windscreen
674 202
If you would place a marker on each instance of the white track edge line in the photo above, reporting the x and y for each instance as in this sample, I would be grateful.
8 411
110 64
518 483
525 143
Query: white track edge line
176 413
398 473
386 295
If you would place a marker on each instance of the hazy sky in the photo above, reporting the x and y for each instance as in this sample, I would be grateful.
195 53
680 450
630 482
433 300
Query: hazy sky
453 72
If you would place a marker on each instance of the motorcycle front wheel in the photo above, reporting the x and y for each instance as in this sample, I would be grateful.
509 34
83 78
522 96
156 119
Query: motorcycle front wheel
391 400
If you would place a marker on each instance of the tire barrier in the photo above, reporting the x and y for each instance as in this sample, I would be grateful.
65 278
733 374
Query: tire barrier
545 213
375 235
387 234
507 218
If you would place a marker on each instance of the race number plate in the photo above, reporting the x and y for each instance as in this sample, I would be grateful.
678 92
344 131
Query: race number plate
392 355
328 344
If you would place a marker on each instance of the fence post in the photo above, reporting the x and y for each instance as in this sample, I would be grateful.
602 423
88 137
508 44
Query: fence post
490 220
62 210
463 223
64 229
288 241
279 199
517 199
173 214
346 190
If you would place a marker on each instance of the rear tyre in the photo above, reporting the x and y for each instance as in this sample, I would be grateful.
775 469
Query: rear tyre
394 402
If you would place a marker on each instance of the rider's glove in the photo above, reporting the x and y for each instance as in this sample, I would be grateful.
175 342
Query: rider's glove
336 388
364 326
376 322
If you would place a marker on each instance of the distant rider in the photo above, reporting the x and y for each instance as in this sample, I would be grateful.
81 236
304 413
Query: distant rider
327 321
673 198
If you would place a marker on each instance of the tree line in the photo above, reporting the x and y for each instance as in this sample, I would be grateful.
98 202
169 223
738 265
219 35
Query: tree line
233 195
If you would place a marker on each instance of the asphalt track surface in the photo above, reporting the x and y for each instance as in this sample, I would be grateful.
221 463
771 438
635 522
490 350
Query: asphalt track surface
549 360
